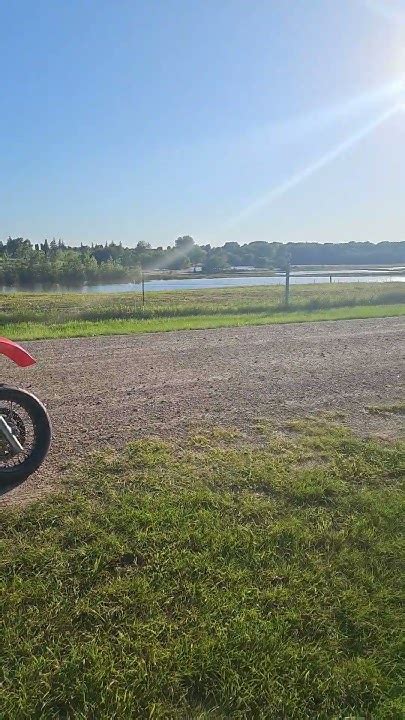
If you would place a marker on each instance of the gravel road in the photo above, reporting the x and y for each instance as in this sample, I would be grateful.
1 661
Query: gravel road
108 390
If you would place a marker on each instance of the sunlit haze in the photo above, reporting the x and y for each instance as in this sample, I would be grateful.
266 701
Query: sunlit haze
227 121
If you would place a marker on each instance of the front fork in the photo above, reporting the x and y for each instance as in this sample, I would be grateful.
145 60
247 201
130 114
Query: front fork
9 435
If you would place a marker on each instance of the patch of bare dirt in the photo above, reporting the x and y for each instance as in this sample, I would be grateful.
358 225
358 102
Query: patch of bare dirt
107 391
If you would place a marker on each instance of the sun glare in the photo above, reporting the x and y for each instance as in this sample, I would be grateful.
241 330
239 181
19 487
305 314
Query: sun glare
302 175
391 10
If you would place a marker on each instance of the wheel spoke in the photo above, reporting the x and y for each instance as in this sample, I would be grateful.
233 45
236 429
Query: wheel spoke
22 428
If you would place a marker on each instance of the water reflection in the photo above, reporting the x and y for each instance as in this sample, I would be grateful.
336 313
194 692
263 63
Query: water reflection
217 282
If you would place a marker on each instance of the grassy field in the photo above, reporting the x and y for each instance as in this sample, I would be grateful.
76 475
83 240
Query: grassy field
88 328
30 316
215 580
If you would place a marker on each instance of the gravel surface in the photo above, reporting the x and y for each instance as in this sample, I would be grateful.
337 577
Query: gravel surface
109 390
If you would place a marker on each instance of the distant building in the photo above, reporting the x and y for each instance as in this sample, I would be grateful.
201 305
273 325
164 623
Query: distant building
242 268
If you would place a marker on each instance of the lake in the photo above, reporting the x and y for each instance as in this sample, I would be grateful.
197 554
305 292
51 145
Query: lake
219 282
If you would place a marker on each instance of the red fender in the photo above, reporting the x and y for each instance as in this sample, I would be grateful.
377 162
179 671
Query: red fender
16 353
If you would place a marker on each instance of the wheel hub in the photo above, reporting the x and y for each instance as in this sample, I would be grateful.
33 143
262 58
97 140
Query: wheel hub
17 427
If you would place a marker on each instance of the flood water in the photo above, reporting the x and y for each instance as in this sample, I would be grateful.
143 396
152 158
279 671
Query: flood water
217 282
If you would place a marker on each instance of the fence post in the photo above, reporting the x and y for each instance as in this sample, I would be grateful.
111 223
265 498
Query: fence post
287 284
143 290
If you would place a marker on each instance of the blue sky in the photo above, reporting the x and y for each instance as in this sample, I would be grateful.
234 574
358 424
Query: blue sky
224 119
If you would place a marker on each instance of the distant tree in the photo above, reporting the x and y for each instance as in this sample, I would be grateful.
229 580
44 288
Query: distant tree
14 246
175 260
143 245
72 270
283 258
101 253
196 255
215 261
47 263
184 243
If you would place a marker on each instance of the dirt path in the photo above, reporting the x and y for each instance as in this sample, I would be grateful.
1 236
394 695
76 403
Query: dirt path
108 390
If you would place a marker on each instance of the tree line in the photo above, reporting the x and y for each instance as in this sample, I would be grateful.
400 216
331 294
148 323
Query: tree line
48 263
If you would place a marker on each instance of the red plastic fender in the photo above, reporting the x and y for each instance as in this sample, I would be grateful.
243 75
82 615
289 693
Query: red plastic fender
16 353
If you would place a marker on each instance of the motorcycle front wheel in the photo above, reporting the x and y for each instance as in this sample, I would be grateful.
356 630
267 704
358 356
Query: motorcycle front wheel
29 423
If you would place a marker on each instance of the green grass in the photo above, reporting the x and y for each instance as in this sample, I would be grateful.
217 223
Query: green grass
213 580
88 328
395 409
28 316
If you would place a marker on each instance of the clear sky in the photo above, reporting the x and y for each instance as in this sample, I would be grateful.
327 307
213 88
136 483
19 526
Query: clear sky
223 119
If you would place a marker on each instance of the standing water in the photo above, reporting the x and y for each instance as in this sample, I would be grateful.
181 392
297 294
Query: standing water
217 282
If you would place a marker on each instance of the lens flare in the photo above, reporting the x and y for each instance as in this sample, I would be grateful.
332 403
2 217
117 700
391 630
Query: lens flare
391 10
299 177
